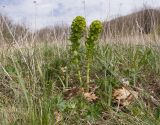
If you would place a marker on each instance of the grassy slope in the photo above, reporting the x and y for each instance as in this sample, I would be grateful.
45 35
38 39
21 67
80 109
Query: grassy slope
32 84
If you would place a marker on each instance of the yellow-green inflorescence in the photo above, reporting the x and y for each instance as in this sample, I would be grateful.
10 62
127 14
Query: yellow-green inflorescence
78 28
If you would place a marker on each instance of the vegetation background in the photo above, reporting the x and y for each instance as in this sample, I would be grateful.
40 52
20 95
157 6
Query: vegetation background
39 87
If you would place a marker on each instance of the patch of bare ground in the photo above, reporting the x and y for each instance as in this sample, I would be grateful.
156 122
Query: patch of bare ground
152 88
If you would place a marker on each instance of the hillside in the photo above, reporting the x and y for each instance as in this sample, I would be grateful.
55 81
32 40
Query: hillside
144 21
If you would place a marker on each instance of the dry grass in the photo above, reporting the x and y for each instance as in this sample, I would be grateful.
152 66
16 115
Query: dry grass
145 21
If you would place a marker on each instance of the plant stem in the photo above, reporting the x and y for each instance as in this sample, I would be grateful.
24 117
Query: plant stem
88 72
79 70
80 76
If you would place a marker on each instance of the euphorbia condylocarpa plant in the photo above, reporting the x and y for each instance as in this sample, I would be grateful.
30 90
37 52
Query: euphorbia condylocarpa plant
77 31
94 32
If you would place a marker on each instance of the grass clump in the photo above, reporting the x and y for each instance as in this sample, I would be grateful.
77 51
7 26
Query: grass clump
47 104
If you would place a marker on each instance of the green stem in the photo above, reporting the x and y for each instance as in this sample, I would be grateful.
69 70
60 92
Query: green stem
80 76
78 68
88 72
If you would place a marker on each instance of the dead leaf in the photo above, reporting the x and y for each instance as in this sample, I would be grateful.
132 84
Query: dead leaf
90 96
121 94
58 116
124 96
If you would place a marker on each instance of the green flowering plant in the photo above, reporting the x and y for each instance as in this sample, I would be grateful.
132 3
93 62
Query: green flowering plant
94 32
78 28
